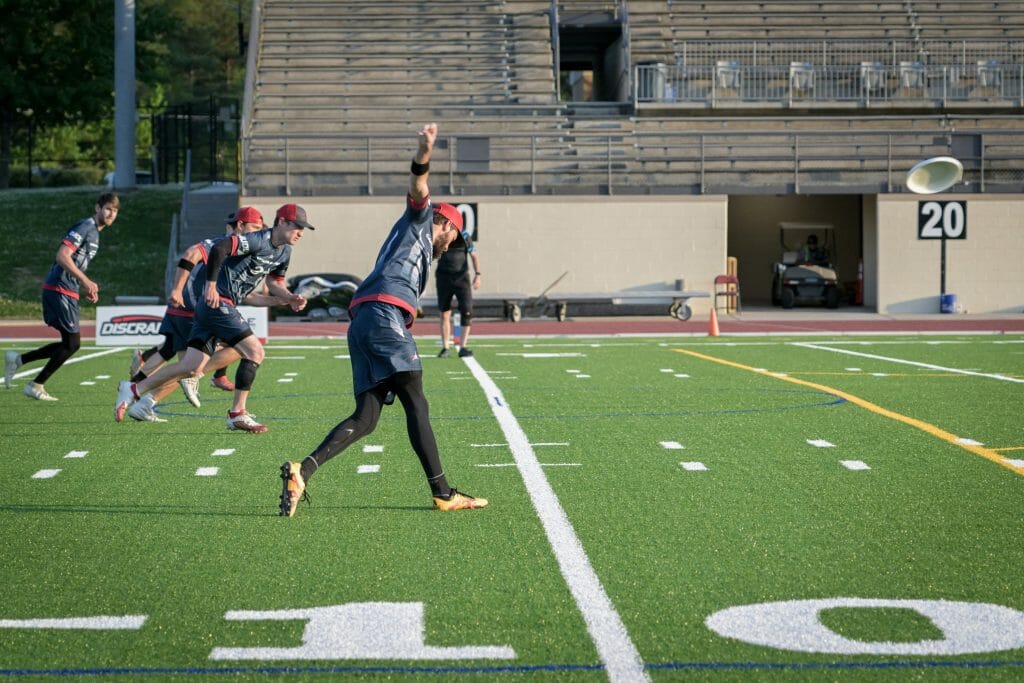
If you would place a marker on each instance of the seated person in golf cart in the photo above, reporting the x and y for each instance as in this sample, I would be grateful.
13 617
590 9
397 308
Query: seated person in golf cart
814 253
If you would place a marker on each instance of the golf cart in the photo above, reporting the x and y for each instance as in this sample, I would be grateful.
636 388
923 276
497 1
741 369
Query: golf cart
805 274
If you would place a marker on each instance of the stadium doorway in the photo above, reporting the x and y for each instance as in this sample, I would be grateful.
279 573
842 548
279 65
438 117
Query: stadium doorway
592 65
753 236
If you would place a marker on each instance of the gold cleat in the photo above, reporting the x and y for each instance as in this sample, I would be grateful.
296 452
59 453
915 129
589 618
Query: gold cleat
458 501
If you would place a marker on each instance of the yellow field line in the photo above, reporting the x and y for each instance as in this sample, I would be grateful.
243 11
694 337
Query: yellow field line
987 453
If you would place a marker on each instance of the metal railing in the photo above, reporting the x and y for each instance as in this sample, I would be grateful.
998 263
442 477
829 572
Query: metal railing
845 52
909 83
647 162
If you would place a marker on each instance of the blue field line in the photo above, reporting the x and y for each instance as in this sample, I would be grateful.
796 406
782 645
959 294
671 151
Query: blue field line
538 668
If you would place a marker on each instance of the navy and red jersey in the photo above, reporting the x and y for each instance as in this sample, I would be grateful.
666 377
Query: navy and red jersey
403 264
252 258
84 238
193 292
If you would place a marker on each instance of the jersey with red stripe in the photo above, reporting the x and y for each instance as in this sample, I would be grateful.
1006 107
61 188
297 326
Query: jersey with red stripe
84 238
403 264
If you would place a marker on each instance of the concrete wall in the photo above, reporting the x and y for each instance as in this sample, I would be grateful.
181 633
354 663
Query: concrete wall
619 243
607 244
985 270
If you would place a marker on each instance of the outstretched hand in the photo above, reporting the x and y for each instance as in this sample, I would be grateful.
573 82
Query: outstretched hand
428 134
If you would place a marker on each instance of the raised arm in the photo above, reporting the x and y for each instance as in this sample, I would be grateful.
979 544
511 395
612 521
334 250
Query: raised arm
420 171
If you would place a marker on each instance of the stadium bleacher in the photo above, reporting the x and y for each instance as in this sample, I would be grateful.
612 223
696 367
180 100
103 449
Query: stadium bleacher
812 94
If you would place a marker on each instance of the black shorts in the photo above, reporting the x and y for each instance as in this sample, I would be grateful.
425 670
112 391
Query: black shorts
457 285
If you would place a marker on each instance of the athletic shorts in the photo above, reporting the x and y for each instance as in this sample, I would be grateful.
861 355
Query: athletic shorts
457 285
224 323
379 345
60 311
178 328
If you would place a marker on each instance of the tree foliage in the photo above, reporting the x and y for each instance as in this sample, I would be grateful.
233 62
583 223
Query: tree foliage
57 68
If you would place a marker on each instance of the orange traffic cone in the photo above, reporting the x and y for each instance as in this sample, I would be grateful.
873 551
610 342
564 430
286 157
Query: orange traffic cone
713 324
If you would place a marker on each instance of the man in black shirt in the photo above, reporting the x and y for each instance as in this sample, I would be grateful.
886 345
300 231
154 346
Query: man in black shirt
452 279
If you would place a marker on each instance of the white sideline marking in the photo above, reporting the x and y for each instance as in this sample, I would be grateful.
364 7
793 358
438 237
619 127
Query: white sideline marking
821 443
223 451
368 469
681 375
615 648
667 370
546 355
853 369
207 471
291 374
75 359
132 622
573 372
46 474
969 442
854 464
284 379
504 445
673 445
930 366
1015 463
373 449
102 376
582 376
343 356
285 357
543 464
87 383
76 454
693 466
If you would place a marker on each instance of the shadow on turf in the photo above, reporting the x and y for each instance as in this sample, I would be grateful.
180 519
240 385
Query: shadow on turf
188 511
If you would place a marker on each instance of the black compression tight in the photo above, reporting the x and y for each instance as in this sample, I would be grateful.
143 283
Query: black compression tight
408 387
57 353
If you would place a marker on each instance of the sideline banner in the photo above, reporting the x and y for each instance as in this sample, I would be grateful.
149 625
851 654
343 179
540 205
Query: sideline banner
140 325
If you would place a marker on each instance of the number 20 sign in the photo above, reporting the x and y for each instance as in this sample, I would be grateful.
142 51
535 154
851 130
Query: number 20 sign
941 220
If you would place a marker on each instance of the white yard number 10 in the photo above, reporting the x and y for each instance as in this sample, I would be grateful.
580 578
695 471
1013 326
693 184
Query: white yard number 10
942 220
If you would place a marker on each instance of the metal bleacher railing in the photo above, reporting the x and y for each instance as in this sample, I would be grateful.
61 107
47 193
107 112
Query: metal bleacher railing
639 162
827 73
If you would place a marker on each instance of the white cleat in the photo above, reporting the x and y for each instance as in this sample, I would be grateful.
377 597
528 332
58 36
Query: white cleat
38 392
12 361
142 411
125 397
190 387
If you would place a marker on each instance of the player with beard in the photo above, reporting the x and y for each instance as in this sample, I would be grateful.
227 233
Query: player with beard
385 361
64 284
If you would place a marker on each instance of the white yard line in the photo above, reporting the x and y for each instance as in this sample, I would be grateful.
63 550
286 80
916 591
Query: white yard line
618 653
74 359
1003 378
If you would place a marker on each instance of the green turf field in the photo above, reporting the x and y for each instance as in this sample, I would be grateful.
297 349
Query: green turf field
807 508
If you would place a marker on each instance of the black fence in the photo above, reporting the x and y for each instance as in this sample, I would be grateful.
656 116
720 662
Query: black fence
209 128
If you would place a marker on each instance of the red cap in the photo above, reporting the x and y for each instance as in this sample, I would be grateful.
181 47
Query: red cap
246 214
451 213
293 213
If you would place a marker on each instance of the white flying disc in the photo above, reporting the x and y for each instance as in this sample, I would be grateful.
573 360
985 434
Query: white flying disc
934 175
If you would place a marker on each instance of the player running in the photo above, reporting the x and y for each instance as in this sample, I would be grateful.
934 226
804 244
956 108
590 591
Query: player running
236 266
177 323
60 297
385 362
